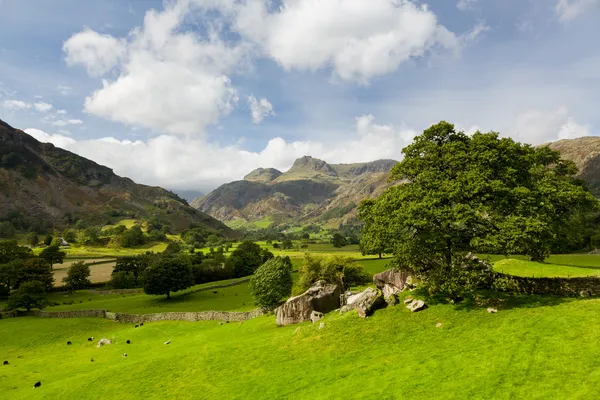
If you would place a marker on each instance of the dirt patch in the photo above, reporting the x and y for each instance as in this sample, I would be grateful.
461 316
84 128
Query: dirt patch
98 272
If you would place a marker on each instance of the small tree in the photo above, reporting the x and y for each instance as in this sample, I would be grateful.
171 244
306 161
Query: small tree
168 275
172 248
53 255
338 240
32 239
287 244
29 295
123 280
272 282
78 276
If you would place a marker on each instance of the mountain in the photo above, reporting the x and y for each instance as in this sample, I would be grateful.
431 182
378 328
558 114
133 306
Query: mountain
310 191
585 153
45 185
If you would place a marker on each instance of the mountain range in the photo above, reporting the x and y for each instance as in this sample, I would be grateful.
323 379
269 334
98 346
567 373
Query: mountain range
46 185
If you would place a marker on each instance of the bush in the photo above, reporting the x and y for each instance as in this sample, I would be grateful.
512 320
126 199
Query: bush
48 240
29 295
78 276
123 280
272 282
334 269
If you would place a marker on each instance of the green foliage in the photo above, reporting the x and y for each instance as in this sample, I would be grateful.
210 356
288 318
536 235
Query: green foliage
211 270
53 255
29 295
48 240
172 248
333 269
373 239
123 280
7 230
338 240
57 242
272 282
247 257
89 235
286 244
32 239
78 276
70 235
10 250
462 193
133 237
129 270
34 269
168 275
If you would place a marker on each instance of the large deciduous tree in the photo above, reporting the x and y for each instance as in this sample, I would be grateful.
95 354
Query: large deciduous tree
478 192
29 295
272 282
78 276
168 275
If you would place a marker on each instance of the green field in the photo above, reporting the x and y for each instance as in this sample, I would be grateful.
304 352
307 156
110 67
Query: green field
537 348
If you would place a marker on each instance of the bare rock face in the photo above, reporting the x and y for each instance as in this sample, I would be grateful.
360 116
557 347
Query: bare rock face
321 297
392 277
103 342
365 302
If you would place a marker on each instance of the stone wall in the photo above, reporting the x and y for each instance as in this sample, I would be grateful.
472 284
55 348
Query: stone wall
565 287
8 314
65 314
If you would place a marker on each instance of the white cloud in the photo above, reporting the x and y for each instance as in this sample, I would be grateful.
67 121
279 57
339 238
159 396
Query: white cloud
65 122
464 5
61 112
97 53
16 105
42 107
203 166
538 127
568 10
170 80
260 109
358 39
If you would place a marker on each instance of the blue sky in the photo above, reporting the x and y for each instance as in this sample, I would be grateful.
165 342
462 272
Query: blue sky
190 94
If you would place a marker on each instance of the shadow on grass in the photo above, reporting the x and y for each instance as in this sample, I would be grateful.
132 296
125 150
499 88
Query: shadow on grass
500 301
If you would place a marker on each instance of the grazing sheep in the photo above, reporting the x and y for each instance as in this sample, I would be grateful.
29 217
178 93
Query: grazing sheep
37 385
136 326
142 324
92 360
128 341
124 354
90 339
5 362
69 343
167 342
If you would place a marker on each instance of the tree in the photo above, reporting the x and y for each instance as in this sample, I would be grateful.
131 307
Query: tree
10 250
168 275
32 239
287 244
53 255
247 257
272 282
373 239
133 237
7 230
89 235
29 295
123 280
338 240
478 192
132 265
70 235
78 276
48 240
172 248
9 275
34 269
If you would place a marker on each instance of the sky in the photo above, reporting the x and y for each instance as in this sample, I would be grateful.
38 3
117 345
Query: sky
191 94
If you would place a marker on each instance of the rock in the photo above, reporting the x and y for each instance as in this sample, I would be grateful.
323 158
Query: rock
390 294
410 283
322 325
416 305
392 277
168 342
315 316
584 293
492 310
408 299
321 297
366 302
103 342
438 325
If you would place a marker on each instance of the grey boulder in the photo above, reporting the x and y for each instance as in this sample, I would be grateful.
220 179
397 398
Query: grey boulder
321 297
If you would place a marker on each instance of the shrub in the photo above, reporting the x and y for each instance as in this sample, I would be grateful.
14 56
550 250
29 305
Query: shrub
29 295
78 276
272 282
48 240
333 269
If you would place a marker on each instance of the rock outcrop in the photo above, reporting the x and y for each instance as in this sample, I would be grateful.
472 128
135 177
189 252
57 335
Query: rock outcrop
392 282
320 297
416 305
103 342
365 302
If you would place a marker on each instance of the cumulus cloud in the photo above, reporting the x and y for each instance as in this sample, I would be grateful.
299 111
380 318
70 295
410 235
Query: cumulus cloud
65 122
568 10
97 53
43 107
16 105
538 127
203 166
260 109
169 79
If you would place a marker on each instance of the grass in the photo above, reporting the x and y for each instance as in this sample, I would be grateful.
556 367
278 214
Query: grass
258 224
534 348
127 223
535 269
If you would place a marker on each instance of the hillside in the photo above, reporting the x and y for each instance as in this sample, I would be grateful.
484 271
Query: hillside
48 186
311 191
585 153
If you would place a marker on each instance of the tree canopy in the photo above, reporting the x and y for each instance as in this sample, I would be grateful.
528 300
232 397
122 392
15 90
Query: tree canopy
53 255
78 276
272 282
168 275
247 257
479 192
29 295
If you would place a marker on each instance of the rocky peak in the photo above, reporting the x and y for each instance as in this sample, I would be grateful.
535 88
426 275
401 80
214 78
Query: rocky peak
263 175
310 163
372 167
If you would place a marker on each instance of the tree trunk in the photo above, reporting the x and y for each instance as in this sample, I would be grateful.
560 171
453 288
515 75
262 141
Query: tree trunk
169 295
379 255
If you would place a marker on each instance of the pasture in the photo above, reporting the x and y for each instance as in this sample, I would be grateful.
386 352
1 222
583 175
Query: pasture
534 348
